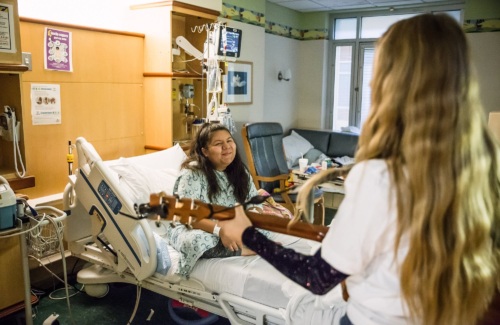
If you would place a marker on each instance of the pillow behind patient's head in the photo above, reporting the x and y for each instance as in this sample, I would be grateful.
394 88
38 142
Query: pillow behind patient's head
152 173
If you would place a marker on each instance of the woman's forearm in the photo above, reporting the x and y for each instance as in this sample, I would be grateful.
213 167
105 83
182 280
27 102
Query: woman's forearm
311 272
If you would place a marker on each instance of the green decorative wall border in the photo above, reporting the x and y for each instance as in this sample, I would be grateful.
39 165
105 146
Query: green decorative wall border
482 25
242 15
256 18
299 34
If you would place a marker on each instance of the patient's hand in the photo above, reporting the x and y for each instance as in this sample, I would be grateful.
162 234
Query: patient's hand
232 229
230 242
245 251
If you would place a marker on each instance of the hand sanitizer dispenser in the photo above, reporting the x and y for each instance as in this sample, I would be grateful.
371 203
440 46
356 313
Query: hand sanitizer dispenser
7 205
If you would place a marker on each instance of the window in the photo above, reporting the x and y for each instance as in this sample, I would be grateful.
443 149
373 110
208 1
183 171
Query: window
352 51
342 85
374 27
345 28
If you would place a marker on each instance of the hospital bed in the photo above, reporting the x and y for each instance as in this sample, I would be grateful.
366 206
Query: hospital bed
104 229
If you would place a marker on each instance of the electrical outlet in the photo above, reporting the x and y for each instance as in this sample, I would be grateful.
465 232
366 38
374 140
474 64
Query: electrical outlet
27 60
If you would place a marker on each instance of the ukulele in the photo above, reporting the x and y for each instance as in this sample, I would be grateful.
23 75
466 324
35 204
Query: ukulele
187 211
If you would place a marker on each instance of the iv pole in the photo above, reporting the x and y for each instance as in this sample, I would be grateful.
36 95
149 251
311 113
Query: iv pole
210 62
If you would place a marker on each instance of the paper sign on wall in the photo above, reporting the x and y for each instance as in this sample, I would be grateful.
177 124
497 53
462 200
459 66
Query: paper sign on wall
58 50
45 104
7 35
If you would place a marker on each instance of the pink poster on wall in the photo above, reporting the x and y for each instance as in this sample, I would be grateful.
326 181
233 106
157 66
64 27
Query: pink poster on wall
58 50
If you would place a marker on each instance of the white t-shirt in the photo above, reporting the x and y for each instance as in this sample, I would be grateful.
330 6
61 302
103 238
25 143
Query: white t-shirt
361 242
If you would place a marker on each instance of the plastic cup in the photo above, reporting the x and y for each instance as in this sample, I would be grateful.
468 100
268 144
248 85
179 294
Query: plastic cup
303 164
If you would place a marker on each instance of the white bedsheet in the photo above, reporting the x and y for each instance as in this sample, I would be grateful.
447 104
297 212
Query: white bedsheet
249 277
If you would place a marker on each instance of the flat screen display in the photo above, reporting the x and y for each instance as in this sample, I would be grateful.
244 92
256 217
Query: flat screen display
230 39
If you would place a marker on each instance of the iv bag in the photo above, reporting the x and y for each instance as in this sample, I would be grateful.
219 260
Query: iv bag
226 118
213 77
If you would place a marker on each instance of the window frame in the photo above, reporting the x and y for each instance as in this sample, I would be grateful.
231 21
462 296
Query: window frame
355 94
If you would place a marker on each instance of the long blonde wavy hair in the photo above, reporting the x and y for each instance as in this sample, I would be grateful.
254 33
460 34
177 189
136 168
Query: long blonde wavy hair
427 122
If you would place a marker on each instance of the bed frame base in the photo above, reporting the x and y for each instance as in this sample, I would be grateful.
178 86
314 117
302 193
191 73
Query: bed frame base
190 292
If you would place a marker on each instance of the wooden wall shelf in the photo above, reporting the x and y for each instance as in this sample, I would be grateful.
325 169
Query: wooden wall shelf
173 75
17 183
13 67
184 146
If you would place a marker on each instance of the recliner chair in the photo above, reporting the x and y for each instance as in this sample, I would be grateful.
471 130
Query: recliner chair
267 164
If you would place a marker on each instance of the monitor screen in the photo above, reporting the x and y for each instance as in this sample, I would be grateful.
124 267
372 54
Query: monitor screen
230 39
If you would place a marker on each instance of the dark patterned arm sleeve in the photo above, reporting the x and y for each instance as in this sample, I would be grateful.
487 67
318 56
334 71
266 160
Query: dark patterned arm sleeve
311 272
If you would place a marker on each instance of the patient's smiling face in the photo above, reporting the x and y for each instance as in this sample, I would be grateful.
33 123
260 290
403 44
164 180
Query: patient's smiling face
221 149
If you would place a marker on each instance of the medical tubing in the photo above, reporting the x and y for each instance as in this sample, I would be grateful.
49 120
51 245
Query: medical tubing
63 258
311 272
55 275
137 300
17 150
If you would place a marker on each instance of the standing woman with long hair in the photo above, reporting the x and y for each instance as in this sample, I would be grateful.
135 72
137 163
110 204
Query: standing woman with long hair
417 236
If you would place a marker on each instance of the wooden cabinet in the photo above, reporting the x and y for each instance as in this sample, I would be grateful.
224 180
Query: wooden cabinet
11 281
12 154
167 71
11 271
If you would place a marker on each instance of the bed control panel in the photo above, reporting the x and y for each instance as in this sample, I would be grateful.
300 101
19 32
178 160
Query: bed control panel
109 197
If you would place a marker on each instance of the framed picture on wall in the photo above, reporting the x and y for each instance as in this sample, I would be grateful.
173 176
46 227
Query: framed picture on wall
238 82
10 39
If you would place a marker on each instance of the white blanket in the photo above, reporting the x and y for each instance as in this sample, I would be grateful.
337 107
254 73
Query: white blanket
306 308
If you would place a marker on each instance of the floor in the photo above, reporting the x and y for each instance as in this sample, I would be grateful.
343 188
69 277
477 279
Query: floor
115 308
329 214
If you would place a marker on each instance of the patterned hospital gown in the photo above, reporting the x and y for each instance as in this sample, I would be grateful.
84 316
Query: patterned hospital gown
193 243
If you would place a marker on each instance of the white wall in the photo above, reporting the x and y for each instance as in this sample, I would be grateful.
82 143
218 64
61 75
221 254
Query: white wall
280 97
302 101
485 48
252 50
312 87
108 14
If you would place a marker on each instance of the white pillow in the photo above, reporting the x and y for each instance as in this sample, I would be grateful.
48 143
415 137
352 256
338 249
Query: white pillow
295 147
140 181
130 181
168 158
143 175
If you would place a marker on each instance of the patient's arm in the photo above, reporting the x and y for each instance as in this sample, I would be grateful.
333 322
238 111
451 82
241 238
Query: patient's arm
311 272
228 242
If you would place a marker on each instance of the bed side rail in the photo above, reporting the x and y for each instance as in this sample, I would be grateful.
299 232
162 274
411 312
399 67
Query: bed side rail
100 206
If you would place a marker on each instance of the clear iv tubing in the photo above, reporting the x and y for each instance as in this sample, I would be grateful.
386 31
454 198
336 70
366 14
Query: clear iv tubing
212 108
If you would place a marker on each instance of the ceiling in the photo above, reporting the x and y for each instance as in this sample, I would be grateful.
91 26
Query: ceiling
328 5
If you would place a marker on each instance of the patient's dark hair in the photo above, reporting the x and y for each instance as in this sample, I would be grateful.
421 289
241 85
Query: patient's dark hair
236 171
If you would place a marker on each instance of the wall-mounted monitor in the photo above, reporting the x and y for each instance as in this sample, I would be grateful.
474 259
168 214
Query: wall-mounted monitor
229 42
